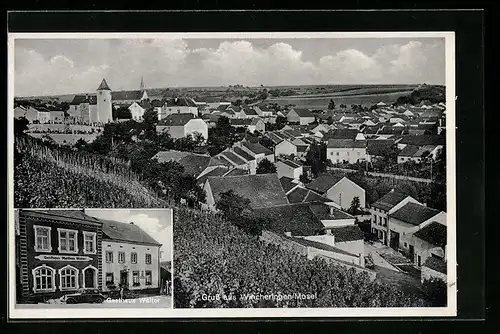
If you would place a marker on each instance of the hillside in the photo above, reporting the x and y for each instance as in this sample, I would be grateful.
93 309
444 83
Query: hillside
217 265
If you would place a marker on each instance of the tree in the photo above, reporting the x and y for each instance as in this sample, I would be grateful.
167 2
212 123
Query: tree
150 118
232 205
122 113
280 122
304 178
266 167
20 126
435 292
354 206
316 157
331 105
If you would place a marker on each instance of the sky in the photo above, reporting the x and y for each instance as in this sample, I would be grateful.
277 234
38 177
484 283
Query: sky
157 223
68 66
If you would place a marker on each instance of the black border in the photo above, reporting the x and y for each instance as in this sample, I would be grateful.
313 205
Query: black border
469 40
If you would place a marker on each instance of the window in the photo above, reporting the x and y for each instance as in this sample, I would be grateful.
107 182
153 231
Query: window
331 153
68 241
337 153
380 220
135 278
385 221
347 153
109 257
68 278
359 153
121 257
149 278
110 279
133 257
42 238
406 245
148 258
89 242
43 279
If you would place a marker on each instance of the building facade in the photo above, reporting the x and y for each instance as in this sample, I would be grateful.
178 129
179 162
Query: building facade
59 252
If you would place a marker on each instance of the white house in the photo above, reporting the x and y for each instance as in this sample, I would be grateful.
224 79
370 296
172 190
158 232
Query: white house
285 147
130 257
301 116
289 169
381 209
178 106
137 110
346 150
338 189
180 125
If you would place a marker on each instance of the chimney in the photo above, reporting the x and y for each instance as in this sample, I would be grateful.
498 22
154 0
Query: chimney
131 223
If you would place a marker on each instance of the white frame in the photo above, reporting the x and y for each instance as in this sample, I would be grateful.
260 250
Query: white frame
96 273
44 266
146 258
94 240
59 230
35 244
146 277
131 260
124 257
77 285
112 256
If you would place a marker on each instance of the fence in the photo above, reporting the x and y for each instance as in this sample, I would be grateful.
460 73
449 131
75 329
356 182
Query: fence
393 176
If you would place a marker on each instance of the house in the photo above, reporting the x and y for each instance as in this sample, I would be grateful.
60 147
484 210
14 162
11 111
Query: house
130 257
346 150
181 125
256 150
83 108
129 97
303 195
220 172
257 124
417 154
59 252
239 158
381 209
250 113
353 134
285 147
137 110
430 241
263 111
176 105
407 220
263 190
250 124
379 149
289 169
338 189
433 268
419 141
300 116
194 164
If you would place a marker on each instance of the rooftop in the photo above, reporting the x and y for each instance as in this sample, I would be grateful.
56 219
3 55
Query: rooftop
414 214
287 183
434 233
257 148
326 212
176 120
346 143
126 232
324 182
389 200
435 264
347 233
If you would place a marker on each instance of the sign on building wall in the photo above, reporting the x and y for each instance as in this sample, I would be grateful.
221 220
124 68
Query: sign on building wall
62 258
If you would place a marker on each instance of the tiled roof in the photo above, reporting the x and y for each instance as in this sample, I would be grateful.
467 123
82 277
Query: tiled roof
74 214
389 200
414 214
156 103
126 232
326 212
218 171
303 195
378 147
243 154
434 233
324 182
303 112
255 121
287 183
193 163
290 163
436 264
408 151
79 99
347 233
263 190
240 122
346 143
236 172
130 95
295 218
103 85
423 140
341 134
250 111
233 158
257 148
180 102
176 120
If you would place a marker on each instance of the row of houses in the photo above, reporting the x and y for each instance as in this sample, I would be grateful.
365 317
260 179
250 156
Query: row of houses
61 251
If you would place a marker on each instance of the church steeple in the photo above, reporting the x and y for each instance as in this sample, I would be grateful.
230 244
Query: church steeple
142 84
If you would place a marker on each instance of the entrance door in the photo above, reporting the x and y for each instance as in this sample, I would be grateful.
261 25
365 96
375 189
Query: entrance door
419 261
394 243
89 278
124 278
412 253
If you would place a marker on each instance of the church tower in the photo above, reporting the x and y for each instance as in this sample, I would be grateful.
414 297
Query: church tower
144 94
104 112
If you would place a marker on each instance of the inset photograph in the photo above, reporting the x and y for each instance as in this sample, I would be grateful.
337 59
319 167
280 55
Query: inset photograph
87 258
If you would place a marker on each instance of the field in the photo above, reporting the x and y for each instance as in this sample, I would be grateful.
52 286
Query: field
218 265
66 138
51 178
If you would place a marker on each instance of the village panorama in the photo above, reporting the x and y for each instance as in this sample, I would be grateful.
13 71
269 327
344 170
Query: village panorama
299 195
